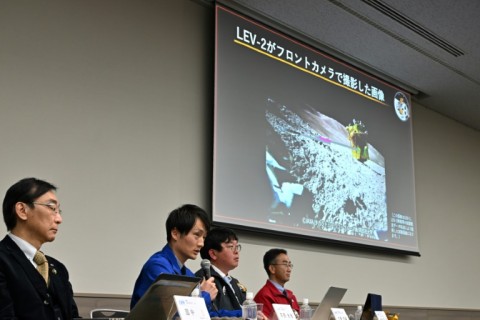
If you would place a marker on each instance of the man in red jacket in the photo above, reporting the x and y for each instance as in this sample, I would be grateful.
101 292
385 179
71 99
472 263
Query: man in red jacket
278 267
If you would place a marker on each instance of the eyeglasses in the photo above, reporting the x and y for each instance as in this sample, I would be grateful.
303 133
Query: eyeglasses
285 264
233 248
50 206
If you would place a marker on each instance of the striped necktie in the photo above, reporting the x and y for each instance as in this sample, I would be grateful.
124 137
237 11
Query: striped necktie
42 265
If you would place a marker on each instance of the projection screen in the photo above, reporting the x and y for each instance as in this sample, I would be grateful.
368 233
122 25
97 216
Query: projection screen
306 145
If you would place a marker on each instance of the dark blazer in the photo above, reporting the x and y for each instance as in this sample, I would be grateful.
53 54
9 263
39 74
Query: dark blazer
23 292
227 299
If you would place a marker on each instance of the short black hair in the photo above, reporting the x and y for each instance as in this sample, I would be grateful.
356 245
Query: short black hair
26 190
183 219
270 257
214 240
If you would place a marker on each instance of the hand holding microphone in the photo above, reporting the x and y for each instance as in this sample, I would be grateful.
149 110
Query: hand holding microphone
208 284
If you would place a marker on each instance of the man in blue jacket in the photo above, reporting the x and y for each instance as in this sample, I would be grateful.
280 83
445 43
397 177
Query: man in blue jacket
186 228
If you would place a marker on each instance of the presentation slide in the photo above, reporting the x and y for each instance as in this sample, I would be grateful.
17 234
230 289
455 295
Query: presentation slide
307 145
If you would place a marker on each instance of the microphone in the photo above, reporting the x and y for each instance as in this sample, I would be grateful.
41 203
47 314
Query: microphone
205 264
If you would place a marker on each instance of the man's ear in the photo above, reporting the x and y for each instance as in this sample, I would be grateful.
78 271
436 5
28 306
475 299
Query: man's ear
272 269
212 254
175 234
21 209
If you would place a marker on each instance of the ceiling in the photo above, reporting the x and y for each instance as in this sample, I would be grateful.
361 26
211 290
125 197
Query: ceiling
429 47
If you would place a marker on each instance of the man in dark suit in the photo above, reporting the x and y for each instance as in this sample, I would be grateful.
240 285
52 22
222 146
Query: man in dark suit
32 214
222 249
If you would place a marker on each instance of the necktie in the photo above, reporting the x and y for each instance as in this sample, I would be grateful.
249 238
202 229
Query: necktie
183 270
42 265
228 280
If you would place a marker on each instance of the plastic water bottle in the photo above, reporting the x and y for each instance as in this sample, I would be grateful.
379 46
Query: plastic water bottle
305 310
358 313
249 308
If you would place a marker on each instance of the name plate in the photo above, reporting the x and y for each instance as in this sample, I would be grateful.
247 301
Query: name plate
339 314
191 308
283 311
381 315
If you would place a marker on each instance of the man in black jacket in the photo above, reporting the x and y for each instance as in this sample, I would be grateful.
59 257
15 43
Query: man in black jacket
222 249
32 289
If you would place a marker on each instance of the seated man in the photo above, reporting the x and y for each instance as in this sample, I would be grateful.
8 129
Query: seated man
33 286
186 228
222 249
278 267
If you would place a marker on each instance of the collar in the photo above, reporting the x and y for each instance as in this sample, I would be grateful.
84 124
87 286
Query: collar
220 273
26 247
278 286
172 258
179 263
173 253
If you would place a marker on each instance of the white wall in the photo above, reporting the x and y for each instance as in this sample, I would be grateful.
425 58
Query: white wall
112 102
